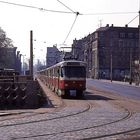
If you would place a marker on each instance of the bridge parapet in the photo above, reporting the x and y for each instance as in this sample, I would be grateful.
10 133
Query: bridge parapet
20 92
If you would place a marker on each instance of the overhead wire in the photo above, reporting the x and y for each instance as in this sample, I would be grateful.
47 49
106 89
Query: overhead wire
70 29
68 12
76 13
49 10
34 7
111 13
43 9
66 6
132 19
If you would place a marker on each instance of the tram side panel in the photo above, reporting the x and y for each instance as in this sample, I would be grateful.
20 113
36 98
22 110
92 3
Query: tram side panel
73 87
66 80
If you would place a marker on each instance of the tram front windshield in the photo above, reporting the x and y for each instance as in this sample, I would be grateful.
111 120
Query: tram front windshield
73 71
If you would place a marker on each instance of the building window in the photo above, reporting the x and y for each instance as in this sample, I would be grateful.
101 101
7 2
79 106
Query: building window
137 44
101 34
128 43
137 35
132 44
130 35
96 35
122 35
111 43
113 35
120 43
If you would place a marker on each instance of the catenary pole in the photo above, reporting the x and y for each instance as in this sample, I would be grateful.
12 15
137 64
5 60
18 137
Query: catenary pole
139 51
31 53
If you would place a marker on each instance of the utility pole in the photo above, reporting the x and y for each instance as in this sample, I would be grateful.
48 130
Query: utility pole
138 78
130 68
31 53
111 66
139 46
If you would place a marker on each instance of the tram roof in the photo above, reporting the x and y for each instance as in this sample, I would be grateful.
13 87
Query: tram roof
70 62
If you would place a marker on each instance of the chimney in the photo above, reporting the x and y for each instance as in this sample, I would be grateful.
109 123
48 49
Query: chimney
126 25
112 25
107 25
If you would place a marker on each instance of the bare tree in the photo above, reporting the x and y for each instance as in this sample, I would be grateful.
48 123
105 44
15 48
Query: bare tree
5 41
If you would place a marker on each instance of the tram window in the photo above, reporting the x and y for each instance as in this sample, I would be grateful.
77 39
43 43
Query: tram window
57 72
62 72
73 71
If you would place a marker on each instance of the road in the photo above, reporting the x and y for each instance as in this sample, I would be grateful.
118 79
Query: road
123 89
107 118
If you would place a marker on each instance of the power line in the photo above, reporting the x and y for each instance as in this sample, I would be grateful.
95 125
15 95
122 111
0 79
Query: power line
34 7
55 11
19 4
71 12
71 28
94 13
111 13
132 19
66 6
48 10
76 13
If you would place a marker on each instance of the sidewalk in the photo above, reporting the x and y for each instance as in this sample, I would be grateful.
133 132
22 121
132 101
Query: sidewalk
120 82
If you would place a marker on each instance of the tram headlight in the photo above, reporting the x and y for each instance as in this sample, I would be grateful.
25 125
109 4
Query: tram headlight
80 85
66 85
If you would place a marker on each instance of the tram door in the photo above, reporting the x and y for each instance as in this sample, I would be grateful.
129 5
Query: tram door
58 80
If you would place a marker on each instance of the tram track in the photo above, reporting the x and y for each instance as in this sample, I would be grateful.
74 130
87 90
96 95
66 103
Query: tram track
32 113
90 138
126 117
88 106
112 134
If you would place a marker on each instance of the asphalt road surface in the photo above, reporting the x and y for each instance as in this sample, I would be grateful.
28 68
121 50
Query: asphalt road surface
121 88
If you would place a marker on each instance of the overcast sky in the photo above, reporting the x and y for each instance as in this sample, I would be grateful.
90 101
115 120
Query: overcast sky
53 27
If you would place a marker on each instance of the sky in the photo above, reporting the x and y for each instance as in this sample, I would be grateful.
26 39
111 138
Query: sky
50 28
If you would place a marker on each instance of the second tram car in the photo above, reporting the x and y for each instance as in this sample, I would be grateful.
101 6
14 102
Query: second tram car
67 78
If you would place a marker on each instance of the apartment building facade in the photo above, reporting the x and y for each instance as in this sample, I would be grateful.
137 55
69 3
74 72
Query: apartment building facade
110 52
10 59
53 56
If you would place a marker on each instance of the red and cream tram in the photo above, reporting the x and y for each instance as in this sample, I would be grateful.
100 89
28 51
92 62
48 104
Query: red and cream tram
67 78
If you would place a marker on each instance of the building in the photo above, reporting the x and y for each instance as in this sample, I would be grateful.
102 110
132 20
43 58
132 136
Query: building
10 59
53 56
78 49
109 52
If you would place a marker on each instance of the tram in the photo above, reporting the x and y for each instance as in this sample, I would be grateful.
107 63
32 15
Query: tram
66 78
